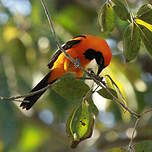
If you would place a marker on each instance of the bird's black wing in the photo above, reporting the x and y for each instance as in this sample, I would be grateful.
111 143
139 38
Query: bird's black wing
65 46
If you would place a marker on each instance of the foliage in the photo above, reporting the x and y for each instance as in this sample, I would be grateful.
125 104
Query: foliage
140 23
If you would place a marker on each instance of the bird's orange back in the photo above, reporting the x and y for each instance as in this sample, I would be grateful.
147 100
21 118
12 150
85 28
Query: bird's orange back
91 42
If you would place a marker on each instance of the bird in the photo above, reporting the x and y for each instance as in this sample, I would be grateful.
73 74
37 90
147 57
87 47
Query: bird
83 48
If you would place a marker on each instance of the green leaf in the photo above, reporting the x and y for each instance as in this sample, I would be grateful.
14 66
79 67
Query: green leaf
107 18
93 107
103 92
146 36
121 10
113 88
145 13
59 104
80 123
144 146
114 85
67 93
70 88
131 42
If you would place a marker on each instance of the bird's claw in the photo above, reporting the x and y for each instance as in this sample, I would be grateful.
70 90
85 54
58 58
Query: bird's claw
77 62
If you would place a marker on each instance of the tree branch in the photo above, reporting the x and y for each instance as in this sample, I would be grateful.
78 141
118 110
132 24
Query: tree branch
130 146
15 98
104 145
49 17
144 133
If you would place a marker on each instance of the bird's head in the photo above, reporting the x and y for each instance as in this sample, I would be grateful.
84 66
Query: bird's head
101 52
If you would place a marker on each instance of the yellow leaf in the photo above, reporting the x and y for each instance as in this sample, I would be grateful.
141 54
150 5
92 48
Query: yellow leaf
143 23
10 33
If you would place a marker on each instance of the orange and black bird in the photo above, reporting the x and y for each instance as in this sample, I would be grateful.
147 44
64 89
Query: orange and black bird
85 48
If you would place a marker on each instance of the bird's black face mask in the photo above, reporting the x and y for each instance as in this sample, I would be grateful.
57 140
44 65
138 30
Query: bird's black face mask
93 54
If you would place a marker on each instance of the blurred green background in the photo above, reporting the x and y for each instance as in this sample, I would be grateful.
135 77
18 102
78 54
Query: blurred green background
26 45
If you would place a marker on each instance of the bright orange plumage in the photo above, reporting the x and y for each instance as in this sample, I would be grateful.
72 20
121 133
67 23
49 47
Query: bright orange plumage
61 65
84 48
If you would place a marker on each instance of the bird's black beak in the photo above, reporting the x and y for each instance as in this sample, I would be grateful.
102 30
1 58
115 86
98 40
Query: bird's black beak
100 61
100 68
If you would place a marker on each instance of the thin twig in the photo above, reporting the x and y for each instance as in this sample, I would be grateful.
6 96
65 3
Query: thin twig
130 146
49 17
25 95
147 111
50 22
102 84
115 85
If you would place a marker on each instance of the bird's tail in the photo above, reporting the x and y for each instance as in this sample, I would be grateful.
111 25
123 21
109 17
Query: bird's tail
29 101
